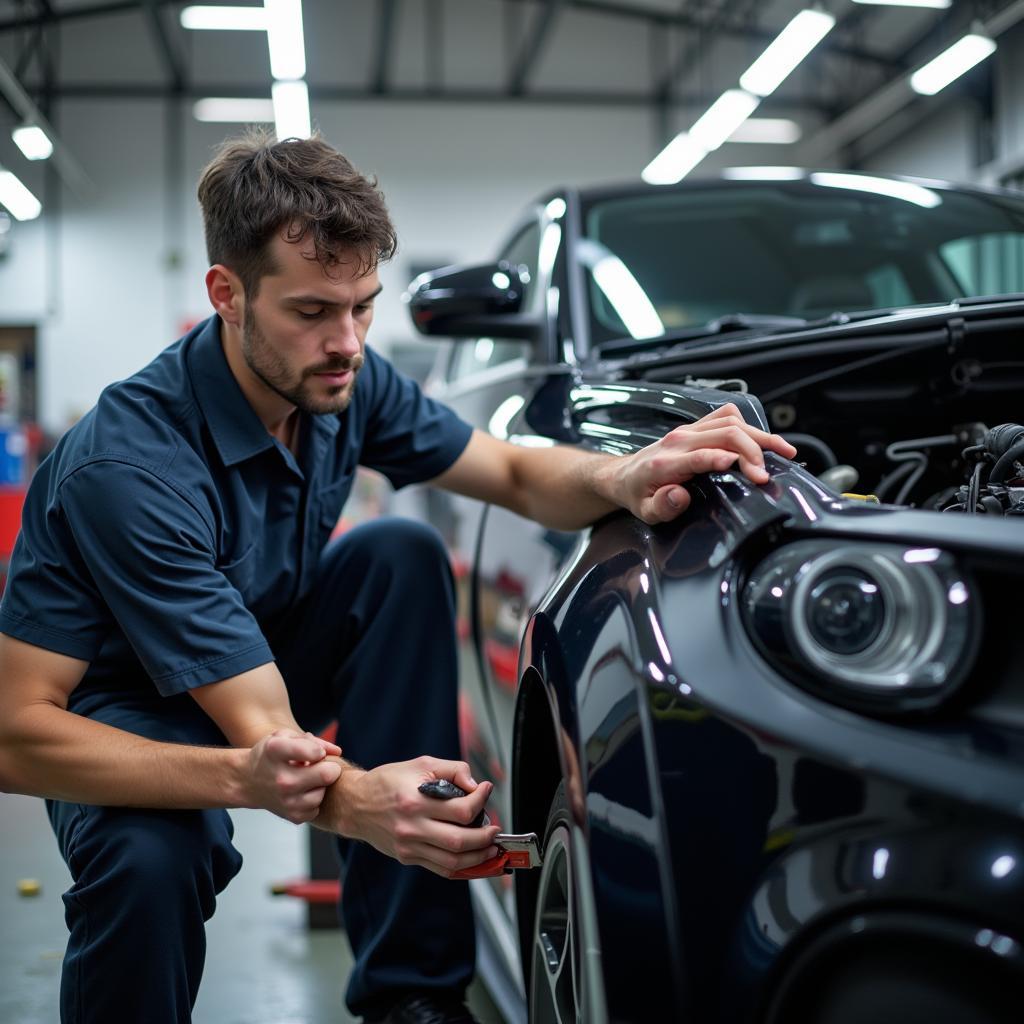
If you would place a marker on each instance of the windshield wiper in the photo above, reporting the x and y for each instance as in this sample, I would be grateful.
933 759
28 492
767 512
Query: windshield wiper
720 325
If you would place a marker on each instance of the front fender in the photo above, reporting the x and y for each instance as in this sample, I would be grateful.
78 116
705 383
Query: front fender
583 714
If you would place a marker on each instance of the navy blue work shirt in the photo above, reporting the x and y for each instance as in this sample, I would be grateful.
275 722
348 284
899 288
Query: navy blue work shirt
169 531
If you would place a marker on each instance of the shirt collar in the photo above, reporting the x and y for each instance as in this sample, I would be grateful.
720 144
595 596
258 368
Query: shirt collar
237 431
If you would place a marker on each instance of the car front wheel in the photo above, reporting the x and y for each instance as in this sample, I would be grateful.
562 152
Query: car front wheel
565 977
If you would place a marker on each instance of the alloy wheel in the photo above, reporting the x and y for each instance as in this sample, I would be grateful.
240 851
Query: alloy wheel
555 996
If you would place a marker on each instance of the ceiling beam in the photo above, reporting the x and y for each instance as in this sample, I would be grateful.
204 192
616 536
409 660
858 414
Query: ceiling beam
687 20
533 45
69 14
383 43
549 97
173 63
70 169
689 56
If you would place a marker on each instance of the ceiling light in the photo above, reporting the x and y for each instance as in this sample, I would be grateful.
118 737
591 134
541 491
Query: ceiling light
763 173
787 50
233 18
906 190
246 111
13 194
675 161
284 35
938 5
778 130
291 110
33 142
723 117
951 64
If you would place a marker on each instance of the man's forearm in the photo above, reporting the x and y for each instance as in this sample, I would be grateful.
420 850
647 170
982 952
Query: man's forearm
49 752
564 488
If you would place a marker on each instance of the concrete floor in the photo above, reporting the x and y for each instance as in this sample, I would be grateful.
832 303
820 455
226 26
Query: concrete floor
263 965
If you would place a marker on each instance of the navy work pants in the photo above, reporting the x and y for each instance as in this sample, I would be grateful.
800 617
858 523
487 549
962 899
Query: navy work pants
372 645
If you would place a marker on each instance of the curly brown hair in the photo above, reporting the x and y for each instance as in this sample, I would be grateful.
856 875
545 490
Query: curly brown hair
255 187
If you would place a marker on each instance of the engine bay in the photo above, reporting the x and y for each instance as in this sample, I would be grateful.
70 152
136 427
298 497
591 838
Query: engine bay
928 425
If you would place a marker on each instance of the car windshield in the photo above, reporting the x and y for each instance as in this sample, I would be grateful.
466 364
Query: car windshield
662 261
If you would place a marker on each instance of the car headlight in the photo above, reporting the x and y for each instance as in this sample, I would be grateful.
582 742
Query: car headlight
882 626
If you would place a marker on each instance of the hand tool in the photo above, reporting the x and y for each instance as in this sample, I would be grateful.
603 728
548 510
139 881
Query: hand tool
516 851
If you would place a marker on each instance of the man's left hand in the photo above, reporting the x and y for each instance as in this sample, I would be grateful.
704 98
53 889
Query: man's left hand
648 483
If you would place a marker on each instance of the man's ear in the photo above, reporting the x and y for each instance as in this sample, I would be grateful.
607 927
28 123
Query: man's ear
227 296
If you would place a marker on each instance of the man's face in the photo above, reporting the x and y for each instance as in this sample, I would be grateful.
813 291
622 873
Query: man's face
304 334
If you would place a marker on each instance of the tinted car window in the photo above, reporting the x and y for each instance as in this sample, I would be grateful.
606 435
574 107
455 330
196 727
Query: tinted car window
471 356
671 259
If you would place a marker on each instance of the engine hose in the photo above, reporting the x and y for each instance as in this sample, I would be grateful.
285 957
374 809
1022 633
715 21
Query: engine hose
1001 439
1004 466
893 478
816 445
911 481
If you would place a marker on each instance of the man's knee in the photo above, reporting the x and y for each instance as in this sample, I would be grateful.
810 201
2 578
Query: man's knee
408 551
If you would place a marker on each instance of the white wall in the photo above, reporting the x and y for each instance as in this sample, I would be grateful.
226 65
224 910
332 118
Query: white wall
935 143
454 177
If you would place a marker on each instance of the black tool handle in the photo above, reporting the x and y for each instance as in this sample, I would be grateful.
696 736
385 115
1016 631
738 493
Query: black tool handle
442 789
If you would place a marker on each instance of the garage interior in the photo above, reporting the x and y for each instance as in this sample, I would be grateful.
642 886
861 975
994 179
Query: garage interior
464 110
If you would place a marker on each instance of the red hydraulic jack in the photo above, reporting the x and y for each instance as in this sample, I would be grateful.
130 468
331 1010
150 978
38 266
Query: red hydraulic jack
515 851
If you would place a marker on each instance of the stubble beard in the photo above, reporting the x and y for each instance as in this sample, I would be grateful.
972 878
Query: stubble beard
272 369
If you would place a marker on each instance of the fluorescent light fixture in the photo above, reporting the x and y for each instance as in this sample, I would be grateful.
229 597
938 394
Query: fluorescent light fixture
622 290
675 161
778 130
291 110
951 64
763 173
906 190
284 36
34 143
231 18
786 51
723 117
18 200
228 109
937 5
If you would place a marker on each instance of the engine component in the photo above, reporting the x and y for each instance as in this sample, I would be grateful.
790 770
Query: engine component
996 463
840 478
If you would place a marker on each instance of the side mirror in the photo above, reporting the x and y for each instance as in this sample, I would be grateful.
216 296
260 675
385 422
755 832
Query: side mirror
467 302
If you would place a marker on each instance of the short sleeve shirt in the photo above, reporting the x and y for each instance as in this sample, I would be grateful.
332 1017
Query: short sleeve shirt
169 531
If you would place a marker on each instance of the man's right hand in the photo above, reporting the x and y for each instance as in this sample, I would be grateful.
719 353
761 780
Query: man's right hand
288 774
385 808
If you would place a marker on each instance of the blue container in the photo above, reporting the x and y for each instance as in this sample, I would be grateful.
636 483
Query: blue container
13 448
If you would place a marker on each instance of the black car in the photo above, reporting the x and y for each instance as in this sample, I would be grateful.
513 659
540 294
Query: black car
775 749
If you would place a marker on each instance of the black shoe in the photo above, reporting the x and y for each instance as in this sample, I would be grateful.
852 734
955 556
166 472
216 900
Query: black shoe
429 1008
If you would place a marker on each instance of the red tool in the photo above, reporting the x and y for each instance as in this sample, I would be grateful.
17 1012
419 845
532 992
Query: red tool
516 852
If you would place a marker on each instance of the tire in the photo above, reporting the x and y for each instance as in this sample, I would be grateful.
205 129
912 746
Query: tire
566 985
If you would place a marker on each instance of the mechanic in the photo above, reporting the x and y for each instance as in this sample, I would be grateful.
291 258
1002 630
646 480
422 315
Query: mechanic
175 627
